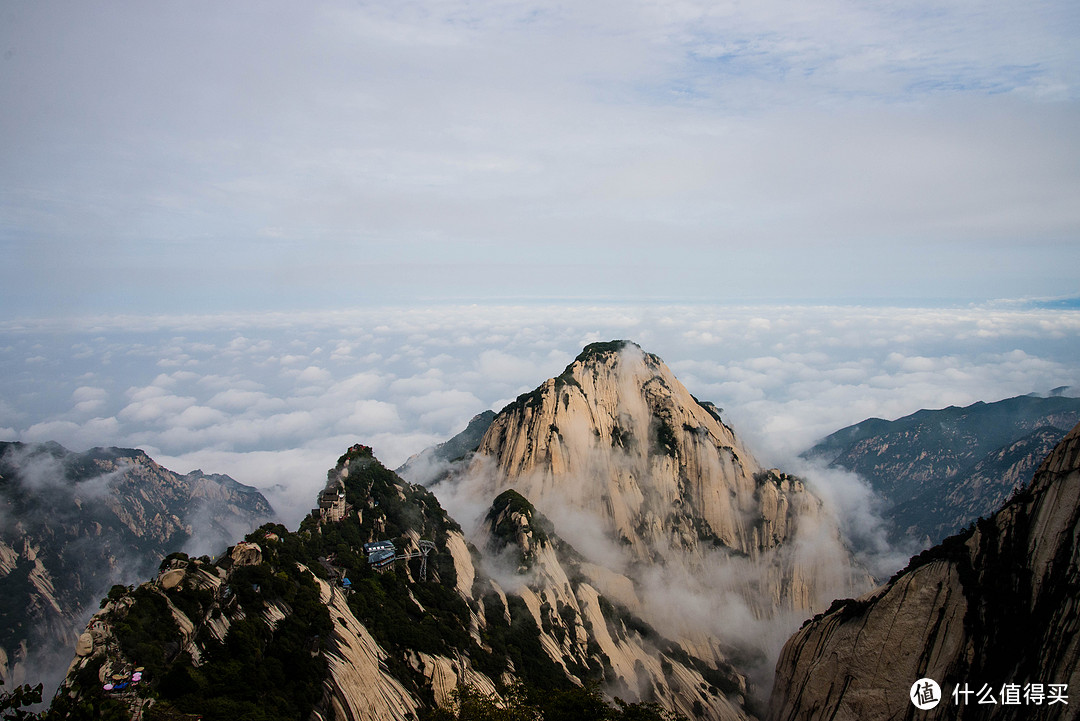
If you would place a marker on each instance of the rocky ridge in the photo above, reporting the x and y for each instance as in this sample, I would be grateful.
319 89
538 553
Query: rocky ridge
214 637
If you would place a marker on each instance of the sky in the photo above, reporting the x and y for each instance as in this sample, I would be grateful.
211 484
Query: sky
219 157
244 236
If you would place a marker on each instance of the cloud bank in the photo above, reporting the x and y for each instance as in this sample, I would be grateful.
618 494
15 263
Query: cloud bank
273 399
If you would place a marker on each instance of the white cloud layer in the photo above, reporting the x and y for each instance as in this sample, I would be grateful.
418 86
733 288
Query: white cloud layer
405 378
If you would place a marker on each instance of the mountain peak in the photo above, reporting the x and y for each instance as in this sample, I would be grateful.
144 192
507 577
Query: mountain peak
602 351
618 435
600 348
633 472
613 396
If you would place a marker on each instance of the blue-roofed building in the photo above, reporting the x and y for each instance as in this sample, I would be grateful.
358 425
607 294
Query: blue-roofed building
381 558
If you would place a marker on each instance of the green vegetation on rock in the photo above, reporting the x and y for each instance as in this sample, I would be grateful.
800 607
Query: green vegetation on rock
524 702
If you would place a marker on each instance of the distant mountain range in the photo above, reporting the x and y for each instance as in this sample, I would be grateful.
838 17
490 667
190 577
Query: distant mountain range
72 524
939 470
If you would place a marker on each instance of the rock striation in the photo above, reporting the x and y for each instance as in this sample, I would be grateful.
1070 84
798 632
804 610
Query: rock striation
617 432
594 639
996 606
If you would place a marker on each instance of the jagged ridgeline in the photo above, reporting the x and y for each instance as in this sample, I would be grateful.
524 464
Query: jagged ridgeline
304 624
256 633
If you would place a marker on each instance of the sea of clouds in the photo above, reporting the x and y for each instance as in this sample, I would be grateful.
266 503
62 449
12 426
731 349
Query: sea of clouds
273 399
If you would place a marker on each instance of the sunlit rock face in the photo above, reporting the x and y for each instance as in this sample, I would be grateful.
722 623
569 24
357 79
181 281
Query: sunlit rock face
674 516
618 433
593 637
995 605
618 437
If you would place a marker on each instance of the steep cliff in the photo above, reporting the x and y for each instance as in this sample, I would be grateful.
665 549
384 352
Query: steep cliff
993 610
616 431
72 524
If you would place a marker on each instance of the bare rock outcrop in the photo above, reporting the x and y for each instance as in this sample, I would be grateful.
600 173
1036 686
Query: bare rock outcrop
358 686
246 554
591 637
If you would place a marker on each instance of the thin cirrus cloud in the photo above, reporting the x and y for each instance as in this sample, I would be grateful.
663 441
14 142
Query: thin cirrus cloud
332 153
405 378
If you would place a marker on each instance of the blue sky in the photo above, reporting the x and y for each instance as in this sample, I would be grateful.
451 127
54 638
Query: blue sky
248 156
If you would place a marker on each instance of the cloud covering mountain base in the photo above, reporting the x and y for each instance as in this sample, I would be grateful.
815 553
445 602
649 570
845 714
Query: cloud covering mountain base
272 398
